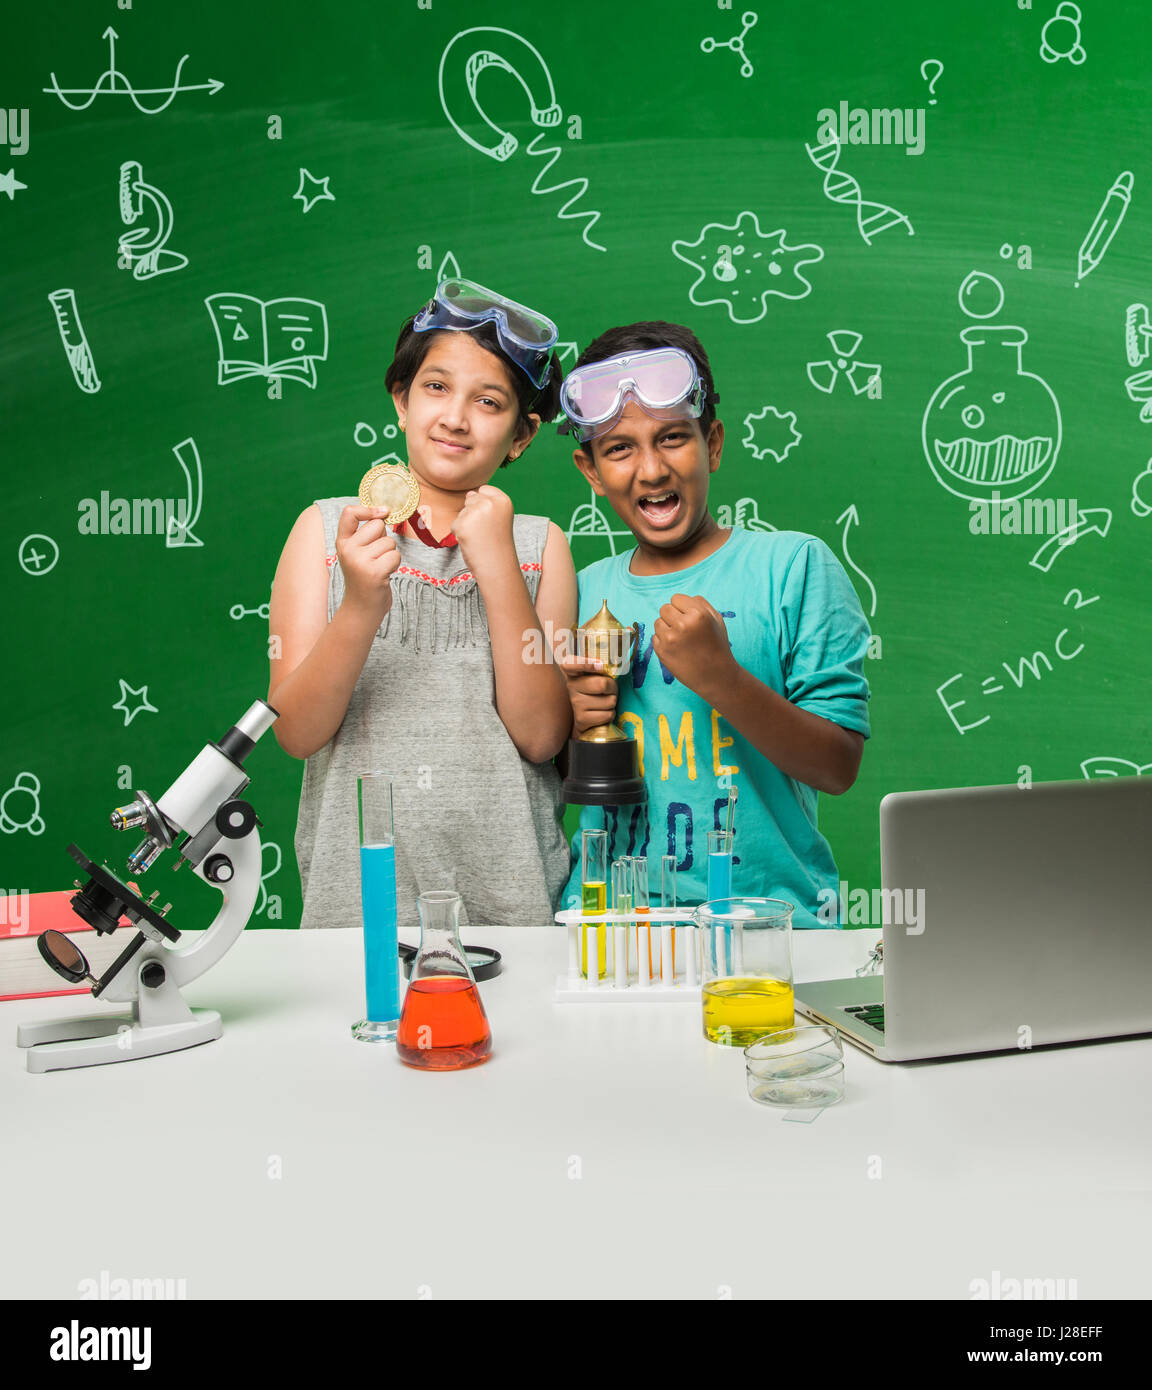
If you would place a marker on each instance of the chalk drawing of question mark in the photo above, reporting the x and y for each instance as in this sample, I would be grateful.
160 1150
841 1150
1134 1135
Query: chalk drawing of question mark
939 66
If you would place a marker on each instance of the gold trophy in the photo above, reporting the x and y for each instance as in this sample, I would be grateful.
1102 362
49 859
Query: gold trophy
603 763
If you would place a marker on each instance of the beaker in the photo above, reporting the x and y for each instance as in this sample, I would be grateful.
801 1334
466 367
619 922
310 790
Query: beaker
378 905
993 427
443 1026
747 968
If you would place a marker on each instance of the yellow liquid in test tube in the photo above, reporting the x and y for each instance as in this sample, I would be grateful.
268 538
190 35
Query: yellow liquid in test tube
594 898
738 1011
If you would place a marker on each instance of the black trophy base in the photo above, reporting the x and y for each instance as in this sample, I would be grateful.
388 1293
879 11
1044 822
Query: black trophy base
603 774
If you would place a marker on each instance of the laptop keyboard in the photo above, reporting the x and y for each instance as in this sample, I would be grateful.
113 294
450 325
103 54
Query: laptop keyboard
871 1014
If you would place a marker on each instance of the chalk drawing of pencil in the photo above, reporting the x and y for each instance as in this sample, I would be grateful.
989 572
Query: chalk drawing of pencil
1107 223
75 343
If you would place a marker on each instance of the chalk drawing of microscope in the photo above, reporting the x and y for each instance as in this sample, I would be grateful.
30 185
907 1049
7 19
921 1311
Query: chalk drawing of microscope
142 250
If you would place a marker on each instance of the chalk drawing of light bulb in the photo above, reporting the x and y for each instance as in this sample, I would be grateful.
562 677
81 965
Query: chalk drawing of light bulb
993 426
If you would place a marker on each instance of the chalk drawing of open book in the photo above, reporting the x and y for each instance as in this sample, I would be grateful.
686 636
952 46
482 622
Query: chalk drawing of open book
276 338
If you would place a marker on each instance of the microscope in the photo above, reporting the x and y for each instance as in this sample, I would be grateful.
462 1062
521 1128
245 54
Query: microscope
222 844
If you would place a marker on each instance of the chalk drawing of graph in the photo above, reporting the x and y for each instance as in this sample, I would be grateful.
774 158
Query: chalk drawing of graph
112 83
588 521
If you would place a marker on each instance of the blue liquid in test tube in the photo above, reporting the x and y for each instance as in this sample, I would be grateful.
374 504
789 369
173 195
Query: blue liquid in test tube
381 957
720 873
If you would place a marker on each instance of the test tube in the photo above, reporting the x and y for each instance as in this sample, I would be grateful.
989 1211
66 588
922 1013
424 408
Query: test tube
641 905
621 902
378 903
667 930
593 895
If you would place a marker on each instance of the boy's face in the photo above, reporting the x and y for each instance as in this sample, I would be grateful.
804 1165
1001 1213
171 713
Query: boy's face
654 474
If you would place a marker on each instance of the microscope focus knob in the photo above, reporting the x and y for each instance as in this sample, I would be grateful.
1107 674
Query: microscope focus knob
234 819
218 869
152 975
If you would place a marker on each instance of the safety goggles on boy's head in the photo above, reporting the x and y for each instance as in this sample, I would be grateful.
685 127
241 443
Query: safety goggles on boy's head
526 336
664 381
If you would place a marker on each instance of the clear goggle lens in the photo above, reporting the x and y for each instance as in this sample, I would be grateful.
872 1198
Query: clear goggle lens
526 336
664 381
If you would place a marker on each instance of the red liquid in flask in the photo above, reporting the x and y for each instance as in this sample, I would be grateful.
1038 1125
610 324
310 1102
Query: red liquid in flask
443 1026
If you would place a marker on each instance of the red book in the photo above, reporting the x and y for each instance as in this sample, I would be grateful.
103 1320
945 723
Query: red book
24 974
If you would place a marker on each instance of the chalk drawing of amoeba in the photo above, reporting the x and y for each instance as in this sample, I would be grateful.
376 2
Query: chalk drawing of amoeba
739 266
778 436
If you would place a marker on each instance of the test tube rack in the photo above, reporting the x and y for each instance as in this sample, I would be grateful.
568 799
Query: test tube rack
622 985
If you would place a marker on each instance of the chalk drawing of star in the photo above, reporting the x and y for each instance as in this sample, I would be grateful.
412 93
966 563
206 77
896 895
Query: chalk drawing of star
315 198
121 704
9 183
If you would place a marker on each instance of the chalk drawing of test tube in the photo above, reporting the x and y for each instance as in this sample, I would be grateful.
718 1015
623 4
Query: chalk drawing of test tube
503 49
143 248
75 342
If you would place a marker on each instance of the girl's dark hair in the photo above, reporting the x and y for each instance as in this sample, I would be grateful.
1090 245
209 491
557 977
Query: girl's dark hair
412 348
638 337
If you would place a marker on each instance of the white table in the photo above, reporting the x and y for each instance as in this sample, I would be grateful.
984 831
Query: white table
605 1150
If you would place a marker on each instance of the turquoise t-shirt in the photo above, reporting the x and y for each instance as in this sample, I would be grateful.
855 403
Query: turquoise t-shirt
794 621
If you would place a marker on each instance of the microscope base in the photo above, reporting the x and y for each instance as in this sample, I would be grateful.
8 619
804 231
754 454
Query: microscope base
93 1041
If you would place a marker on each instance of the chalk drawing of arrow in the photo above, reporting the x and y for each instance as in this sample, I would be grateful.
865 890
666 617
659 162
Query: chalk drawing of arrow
851 517
1082 526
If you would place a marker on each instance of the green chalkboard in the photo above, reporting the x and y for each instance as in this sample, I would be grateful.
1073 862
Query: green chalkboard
874 217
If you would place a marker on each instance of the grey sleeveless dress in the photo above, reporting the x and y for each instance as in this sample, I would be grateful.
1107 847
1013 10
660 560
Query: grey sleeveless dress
471 814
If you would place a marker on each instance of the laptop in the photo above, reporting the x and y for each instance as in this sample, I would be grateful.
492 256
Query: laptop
1014 918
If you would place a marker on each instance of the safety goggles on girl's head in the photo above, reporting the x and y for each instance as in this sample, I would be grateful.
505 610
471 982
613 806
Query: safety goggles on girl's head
526 336
664 381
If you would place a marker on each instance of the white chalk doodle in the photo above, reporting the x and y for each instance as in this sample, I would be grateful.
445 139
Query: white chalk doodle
269 850
746 516
1105 225
992 425
1114 767
20 806
10 184
179 529
776 437
739 266
449 268
131 711
38 554
588 522
238 611
469 53
143 250
863 377
851 517
871 218
1142 495
75 340
1137 334
365 436
1090 521
1060 37
280 337
308 198
939 66
114 83
735 43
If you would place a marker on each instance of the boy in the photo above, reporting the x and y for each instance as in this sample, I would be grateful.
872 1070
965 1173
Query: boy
749 666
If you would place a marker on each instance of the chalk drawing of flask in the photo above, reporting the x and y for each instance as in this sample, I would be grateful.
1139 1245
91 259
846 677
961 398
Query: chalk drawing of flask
993 426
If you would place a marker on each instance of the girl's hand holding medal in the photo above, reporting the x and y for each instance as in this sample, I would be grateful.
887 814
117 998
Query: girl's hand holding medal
368 557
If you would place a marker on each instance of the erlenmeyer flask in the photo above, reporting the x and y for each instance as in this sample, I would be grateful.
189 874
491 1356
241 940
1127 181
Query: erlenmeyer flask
443 1026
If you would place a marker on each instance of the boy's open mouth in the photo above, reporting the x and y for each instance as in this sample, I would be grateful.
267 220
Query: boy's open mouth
660 508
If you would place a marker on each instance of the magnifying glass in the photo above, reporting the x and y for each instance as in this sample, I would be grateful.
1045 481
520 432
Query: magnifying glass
483 961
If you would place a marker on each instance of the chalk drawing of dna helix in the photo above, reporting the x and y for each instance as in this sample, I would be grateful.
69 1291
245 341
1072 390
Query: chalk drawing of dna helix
871 218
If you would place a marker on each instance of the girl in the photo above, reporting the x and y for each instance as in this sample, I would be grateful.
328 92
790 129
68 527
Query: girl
405 648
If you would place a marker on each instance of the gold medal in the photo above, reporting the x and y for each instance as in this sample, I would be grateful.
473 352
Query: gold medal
390 485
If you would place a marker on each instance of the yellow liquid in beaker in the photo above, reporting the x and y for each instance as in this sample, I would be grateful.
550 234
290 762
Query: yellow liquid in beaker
738 1011
594 898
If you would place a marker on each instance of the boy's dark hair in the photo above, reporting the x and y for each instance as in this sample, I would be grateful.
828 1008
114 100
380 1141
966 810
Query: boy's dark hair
412 348
638 337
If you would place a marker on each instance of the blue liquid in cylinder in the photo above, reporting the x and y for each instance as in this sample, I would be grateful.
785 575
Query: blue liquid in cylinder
719 877
381 960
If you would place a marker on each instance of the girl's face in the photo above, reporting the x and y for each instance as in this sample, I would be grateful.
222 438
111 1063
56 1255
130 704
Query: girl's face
459 413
